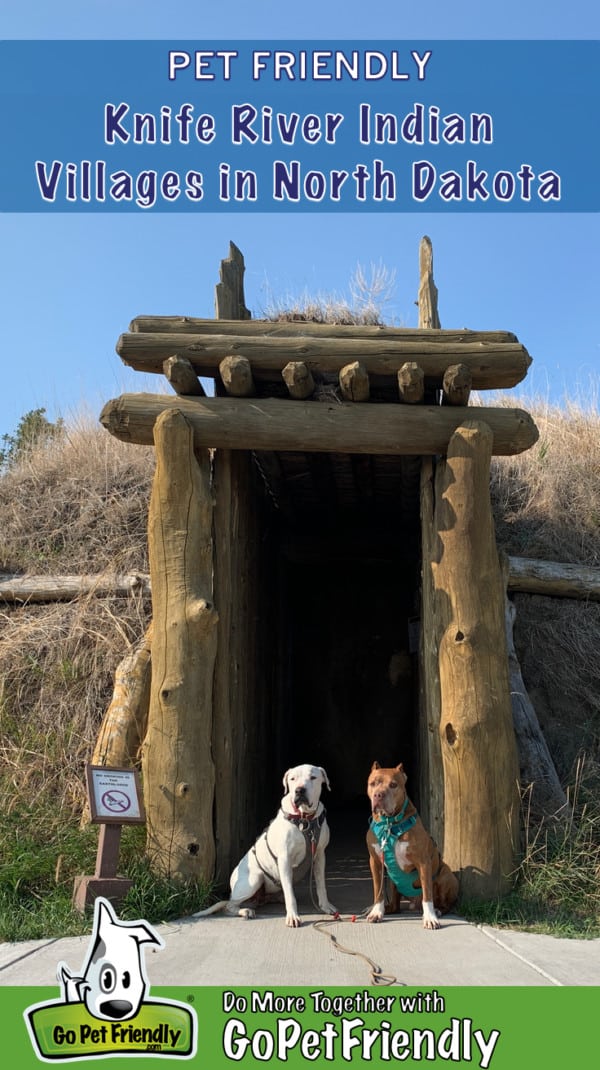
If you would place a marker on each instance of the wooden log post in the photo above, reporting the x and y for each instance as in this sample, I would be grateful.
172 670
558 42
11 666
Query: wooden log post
456 385
354 382
177 765
431 779
428 294
411 383
298 379
229 291
479 754
236 376
182 376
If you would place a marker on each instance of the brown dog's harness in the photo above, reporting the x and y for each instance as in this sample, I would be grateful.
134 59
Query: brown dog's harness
310 828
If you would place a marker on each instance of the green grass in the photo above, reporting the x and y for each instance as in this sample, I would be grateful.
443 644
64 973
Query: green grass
42 855
557 886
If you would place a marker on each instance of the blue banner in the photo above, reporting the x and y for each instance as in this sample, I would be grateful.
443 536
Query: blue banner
393 126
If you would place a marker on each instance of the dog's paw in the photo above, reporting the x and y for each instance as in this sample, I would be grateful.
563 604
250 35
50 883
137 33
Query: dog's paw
430 916
293 921
327 908
247 913
377 913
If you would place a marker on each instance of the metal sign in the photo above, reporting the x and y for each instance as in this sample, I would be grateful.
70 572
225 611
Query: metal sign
115 795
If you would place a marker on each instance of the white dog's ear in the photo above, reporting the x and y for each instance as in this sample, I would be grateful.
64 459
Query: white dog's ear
325 778
285 779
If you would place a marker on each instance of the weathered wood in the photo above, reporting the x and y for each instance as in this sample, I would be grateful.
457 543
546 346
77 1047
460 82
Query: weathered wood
300 329
229 291
456 385
280 424
411 383
236 376
298 379
431 779
66 588
354 382
124 724
479 754
493 365
178 770
541 788
428 295
182 376
553 578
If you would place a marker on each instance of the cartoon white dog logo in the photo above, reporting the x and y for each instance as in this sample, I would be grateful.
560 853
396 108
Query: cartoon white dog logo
113 981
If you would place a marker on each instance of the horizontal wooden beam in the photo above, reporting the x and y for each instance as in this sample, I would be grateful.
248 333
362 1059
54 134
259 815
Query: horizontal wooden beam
493 365
300 328
553 578
66 588
528 575
283 424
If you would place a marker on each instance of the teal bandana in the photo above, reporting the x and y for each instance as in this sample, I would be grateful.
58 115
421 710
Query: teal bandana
388 830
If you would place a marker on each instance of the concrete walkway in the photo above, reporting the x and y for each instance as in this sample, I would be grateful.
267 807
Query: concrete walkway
225 951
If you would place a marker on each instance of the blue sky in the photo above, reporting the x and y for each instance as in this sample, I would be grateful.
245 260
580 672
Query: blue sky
71 283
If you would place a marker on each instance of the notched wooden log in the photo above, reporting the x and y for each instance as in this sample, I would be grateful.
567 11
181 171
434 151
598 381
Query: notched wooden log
236 376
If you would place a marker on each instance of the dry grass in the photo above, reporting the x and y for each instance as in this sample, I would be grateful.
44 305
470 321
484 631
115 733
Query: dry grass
76 505
370 291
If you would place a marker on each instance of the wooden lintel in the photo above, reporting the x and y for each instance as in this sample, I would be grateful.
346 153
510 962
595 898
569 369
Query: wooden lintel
493 364
411 383
354 382
309 426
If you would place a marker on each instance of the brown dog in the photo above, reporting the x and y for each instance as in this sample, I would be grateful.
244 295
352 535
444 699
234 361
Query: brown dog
399 844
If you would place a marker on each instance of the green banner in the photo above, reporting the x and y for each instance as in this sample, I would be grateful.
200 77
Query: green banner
502 1028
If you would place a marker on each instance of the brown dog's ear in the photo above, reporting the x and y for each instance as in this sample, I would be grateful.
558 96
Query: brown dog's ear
375 765
400 768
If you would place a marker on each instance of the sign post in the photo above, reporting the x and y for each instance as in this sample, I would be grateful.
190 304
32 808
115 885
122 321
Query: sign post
115 800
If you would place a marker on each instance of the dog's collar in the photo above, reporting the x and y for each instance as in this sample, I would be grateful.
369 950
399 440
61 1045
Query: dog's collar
306 822
392 827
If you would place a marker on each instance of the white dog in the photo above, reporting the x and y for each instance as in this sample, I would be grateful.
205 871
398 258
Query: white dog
297 836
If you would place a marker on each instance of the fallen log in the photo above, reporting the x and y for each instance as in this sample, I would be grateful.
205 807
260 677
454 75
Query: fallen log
282 424
66 588
493 365
553 579
540 785
124 724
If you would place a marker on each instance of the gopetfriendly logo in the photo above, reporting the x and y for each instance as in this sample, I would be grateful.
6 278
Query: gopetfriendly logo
104 1010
